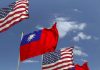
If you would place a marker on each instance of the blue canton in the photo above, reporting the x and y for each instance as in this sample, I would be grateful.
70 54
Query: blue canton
31 37
5 11
51 57
72 68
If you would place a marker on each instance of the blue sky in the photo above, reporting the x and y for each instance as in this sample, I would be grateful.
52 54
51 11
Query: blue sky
78 24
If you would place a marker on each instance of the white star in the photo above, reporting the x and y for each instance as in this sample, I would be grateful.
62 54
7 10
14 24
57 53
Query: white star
31 37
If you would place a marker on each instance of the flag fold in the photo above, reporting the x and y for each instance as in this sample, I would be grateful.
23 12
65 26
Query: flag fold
38 42
14 13
83 67
58 60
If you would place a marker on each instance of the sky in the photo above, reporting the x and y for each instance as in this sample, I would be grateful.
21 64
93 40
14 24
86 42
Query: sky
77 23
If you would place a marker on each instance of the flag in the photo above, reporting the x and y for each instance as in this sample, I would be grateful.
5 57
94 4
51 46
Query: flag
83 67
58 60
38 42
14 13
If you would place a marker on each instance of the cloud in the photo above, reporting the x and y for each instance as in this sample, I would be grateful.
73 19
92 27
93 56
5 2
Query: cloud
77 10
39 27
82 36
84 60
82 26
30 61
64 26
96 38
78 52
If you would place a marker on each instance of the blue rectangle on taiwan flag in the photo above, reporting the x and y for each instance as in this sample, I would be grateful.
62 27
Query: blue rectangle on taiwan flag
31 37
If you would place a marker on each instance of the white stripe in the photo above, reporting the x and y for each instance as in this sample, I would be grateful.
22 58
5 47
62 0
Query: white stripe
20 5
66 52
67 67
6 26
12 16
65 61
21 1
68 59
68 49
51 68
67 55
59 61
19 9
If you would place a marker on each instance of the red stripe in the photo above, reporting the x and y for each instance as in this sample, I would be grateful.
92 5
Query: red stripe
12 20
66 57
22 3
58 68
62 60
58 63
16 12
20 7
66 54
14 23
68 49
11 15
50 66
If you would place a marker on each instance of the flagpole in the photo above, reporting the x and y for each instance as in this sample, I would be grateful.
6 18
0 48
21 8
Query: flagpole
19 54
18 63
41 60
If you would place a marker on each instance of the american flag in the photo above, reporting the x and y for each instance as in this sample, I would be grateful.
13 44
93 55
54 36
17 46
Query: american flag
58 60
14 13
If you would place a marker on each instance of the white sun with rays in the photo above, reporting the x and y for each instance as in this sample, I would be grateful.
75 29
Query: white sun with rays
31 37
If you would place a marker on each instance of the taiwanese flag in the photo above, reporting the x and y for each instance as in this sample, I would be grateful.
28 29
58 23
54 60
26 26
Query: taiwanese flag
38 42
83 67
